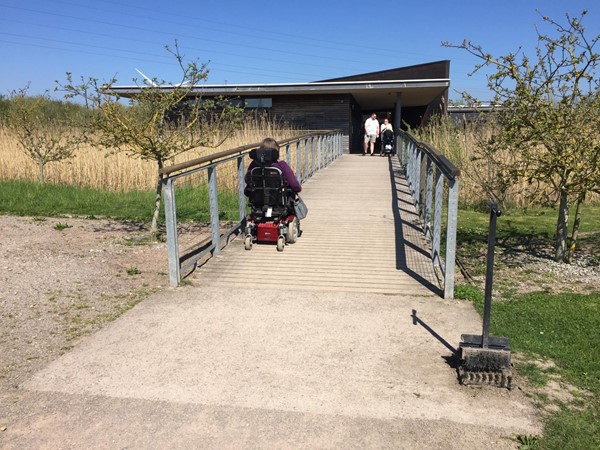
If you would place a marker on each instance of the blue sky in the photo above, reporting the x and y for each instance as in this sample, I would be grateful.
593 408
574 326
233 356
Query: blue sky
262 41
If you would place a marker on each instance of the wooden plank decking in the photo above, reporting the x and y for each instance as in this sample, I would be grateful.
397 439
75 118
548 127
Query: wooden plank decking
361 235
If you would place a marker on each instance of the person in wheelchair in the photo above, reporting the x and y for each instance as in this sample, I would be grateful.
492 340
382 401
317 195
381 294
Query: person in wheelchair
271 188
272 161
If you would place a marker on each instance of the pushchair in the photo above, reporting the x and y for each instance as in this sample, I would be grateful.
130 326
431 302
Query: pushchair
387 143
272 217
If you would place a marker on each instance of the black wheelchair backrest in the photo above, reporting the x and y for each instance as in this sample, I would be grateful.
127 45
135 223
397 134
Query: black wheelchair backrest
267 187
264 156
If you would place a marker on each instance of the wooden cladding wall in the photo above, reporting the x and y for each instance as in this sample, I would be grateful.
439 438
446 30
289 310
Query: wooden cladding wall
314 112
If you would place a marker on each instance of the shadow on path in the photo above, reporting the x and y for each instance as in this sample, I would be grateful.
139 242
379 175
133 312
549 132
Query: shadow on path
402 215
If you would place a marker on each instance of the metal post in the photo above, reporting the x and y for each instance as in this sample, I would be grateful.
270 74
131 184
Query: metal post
241 186
214 209
437 217
451 227
412 156
172 239
428 197
404 153
487 307
306 170
288 155
312 156
417 180
320 152
298 163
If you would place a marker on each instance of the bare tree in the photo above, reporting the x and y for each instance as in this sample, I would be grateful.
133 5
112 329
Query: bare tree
160 121
41 134
548 120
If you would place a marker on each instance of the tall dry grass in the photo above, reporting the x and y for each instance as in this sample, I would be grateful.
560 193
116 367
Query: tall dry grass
94 168
479 180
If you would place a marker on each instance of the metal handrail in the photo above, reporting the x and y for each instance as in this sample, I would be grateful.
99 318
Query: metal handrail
420 160
314 151
226 153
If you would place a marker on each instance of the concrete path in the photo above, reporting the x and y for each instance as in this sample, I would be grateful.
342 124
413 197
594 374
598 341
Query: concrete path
364 360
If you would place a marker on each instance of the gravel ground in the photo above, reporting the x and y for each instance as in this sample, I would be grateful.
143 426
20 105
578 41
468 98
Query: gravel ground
57 285
539 272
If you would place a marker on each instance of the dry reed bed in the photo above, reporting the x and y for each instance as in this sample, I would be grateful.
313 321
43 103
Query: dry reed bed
95 168
479 177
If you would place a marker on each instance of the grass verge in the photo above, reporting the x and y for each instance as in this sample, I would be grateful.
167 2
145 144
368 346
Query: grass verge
26 198
558 329
521 230
562 328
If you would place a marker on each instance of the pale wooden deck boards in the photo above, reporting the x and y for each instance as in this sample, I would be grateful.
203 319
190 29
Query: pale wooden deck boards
361 235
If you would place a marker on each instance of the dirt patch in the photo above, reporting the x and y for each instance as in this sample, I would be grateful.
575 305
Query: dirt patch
64 278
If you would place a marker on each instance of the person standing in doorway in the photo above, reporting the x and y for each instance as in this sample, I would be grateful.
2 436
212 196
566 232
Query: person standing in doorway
386 125
371 133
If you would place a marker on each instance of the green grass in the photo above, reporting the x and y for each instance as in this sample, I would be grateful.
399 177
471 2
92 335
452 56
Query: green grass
520 230
562 328
527 227
59 226
24 198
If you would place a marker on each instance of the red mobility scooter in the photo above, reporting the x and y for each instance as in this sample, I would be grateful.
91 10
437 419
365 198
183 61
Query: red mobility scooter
272 216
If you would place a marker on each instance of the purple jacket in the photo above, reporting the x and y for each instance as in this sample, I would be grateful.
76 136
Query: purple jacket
288 175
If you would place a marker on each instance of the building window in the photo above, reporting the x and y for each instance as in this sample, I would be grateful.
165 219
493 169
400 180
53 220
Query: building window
254 103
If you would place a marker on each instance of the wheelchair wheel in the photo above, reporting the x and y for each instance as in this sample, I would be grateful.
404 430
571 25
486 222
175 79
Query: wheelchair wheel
280 243
292 232
248 242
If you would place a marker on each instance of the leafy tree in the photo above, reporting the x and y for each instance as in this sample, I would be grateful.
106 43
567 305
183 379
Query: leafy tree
43 133
160 121
548 122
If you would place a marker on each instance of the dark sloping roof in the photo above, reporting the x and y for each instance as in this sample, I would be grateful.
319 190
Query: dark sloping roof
437 69
418 85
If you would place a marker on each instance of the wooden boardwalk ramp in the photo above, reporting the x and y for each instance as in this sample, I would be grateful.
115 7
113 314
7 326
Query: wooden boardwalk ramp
361 235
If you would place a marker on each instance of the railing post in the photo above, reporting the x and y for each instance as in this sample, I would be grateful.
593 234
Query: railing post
298 163
214 209
288 155
451 226
428 197
241 186
412 155
312 156
306 170
437 217
417 180
404 153
172 238
320 152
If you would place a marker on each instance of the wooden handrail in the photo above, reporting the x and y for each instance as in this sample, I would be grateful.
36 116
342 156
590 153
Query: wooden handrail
234 151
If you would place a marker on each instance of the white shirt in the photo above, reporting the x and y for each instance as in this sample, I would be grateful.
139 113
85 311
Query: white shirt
386 126
371 126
